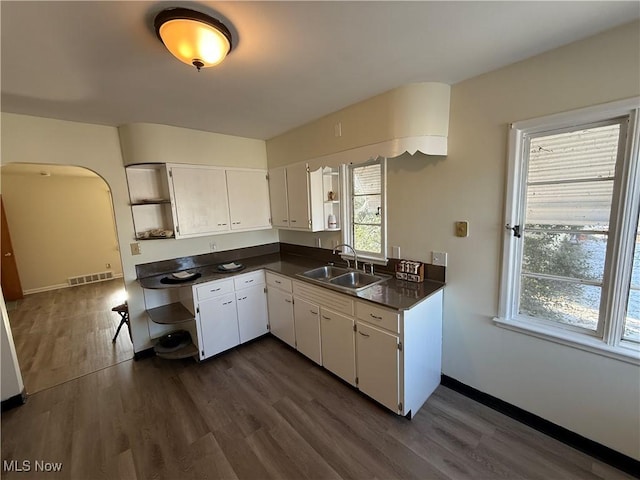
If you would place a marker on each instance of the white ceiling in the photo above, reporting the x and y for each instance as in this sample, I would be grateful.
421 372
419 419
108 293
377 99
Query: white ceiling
293 62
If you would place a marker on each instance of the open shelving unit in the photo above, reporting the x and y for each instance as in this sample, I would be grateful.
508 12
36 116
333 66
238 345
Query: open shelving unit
150 200
332 195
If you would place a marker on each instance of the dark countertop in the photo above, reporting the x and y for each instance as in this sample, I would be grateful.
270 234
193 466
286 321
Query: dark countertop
392 293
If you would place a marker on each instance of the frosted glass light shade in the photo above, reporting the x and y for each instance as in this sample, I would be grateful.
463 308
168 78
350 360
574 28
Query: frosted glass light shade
193 37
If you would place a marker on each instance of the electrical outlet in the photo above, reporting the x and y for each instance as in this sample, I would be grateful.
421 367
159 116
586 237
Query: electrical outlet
213 246
395 252
439 258
462 229
135 248
317 242
337 129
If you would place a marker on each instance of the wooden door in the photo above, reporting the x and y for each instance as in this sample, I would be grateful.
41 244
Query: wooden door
298 197
252 312
11 287
280 306
218 325
278 197
248 199
338 344
307 321
378 364
200 200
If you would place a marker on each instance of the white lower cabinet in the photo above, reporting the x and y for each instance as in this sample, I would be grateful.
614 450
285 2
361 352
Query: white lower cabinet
251 301
280 306
252 313
378 360
230 312
217 325
338 344
307 322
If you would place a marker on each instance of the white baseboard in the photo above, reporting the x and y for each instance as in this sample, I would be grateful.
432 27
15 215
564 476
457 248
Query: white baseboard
48 288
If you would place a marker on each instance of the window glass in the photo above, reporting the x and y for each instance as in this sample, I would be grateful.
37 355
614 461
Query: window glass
631 328
569 192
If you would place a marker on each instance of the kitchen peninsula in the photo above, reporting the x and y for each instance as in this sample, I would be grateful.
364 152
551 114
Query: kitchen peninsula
385 339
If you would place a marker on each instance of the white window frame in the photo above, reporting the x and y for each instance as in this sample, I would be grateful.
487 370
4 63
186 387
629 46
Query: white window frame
347 230
625 205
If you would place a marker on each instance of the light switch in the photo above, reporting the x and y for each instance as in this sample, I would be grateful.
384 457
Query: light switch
395 252
462 229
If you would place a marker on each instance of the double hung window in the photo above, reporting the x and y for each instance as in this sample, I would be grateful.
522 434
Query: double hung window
571 269
365 228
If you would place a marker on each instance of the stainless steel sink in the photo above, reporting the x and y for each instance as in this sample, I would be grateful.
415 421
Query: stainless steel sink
344 279
355 280
324 273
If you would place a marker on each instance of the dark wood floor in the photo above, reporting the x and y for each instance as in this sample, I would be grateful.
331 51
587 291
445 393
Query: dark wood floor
63 334
262 411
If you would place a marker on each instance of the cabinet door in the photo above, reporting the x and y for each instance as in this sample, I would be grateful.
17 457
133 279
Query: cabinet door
307 321
218 323
378 365
298 196
338 344
199 195
280 306
278 196
252 313
248 199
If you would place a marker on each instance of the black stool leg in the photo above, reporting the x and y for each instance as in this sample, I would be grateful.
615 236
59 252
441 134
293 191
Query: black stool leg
123 321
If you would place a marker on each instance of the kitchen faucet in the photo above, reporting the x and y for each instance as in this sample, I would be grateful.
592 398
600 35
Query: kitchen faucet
355 255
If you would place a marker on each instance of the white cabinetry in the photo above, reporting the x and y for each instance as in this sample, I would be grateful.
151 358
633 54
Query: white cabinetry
399 353
300 198
248 199
378 364
280 306
338 344
307 326
199 198
278 197
196 200
251 301
217 317
230 312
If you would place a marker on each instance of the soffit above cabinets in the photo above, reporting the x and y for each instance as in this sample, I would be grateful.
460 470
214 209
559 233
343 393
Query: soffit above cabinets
412 118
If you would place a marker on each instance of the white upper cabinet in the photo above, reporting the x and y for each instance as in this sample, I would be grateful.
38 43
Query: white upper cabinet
199 198
248 199
299 198
278 196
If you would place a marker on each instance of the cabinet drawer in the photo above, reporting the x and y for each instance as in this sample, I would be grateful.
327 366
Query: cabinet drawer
389 319
277 281
249 280
322 296
214 289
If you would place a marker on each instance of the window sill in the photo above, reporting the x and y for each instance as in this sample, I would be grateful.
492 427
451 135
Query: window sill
626 352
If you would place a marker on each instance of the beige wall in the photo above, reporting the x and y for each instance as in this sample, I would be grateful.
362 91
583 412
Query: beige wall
61 226
594 396
27 139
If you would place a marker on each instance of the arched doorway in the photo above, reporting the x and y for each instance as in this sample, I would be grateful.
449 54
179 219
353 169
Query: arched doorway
63 232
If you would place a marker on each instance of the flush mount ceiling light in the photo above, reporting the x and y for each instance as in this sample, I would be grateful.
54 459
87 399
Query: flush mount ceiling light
193 37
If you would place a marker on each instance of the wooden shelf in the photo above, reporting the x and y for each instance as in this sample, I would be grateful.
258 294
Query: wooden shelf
170 314
187 351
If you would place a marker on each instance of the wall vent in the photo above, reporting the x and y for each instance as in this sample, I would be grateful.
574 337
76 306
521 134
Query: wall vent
90 278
